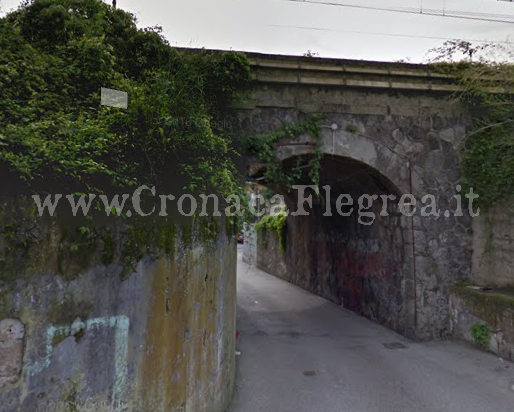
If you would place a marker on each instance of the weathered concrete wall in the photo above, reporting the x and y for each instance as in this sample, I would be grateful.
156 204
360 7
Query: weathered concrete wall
493 247
250 245
496 310
492 266
159 336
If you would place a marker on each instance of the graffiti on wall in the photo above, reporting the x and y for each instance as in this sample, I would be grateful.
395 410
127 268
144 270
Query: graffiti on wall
121 326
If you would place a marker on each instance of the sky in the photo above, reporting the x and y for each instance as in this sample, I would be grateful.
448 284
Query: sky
296 27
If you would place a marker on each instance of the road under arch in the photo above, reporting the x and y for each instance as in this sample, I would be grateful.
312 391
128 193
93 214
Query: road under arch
358 256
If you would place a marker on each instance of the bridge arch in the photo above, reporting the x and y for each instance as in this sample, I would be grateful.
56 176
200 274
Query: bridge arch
388 162
366 268
404 124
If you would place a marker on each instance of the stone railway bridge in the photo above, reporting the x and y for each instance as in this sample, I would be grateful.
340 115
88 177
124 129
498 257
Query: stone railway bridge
388 129
158 333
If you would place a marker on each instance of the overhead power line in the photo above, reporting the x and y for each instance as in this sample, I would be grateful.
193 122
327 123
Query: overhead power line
285 26
465 15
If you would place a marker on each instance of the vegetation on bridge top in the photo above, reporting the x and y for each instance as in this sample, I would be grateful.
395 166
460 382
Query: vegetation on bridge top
265 148
487 80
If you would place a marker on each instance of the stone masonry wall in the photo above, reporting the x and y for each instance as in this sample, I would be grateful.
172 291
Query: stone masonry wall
361 268
470 307
156 335
413 139
493 247
268 257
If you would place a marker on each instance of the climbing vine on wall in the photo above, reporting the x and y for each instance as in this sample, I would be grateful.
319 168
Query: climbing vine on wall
488 154
264 147
487 86
176 132
275 223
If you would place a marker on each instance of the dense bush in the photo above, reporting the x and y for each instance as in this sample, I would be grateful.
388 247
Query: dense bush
277 223
55 55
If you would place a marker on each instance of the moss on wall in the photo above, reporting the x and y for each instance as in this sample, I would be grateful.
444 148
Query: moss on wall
30 244
484 318
5 304
489 306
178 305
66 311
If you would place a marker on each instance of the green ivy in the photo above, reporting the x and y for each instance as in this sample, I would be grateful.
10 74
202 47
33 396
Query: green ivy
264 147
276 223
488 151
176 133
488 158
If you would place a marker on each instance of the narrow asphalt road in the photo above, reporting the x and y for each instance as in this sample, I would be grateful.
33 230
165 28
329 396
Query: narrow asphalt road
301 353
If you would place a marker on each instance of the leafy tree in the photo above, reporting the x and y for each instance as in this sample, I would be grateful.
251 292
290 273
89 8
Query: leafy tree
451 50
57 54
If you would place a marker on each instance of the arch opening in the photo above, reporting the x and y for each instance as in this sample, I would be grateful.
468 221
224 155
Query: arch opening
360 259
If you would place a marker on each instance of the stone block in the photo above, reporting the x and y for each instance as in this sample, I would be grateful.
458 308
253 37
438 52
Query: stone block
12 334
